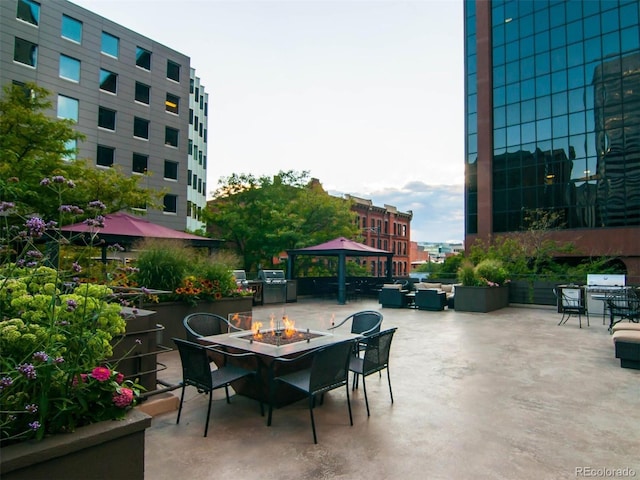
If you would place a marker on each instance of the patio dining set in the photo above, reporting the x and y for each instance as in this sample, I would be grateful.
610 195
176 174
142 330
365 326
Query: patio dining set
281 365
623 307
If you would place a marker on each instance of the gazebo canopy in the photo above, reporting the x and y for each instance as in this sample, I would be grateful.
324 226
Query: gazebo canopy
124 228
340 247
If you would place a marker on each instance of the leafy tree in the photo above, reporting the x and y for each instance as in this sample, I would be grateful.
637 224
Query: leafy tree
34 146
262 217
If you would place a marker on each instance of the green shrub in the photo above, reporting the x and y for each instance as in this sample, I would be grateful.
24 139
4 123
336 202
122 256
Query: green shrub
491 272
467 274
162 265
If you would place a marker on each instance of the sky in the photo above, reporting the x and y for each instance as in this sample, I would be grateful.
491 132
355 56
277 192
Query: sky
366 96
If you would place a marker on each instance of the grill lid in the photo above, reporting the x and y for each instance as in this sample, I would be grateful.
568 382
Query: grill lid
272 276
606 280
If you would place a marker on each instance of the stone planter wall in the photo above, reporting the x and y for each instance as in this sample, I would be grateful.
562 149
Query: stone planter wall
481 299
101 451
171 314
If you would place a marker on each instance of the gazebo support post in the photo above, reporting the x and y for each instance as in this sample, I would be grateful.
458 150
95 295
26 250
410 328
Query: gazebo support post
342 274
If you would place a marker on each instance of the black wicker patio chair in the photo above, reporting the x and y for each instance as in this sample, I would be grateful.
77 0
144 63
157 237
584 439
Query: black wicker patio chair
196 372
329 370
375 359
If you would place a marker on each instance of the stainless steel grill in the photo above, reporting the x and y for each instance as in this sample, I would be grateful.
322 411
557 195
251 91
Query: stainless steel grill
600 285
275 286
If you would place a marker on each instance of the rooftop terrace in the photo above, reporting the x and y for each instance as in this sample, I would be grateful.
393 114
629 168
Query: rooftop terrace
504 395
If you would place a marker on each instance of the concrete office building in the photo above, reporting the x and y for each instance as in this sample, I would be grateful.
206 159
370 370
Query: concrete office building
129 95
197 171
553 121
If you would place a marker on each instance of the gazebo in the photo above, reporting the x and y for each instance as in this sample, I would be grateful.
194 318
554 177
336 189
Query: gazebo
124 229
342 248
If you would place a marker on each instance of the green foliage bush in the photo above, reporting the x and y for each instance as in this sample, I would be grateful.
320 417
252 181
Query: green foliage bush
491 272
162 265
467 274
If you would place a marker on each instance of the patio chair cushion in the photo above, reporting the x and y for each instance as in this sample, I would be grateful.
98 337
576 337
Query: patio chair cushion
629 336
627 348
626 326
396 286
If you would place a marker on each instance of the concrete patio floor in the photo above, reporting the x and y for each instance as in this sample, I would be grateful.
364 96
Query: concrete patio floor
504 395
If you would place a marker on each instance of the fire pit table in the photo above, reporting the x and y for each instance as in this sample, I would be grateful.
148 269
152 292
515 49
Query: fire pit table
268 345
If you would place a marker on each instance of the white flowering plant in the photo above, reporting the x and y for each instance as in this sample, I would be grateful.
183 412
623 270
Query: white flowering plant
56 333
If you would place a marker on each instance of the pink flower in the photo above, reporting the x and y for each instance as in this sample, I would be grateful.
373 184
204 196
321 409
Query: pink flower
83 377
124 398
119 378
102 374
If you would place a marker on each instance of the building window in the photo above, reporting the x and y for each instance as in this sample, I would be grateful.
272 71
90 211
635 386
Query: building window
71 29
188 208
194 181
191 84
143 58
170 203
140 128
200 157
143 93
170 170
105 156
71 147
199 185
25 52
139 163
106 118
172 104
108 81
110 45
29 11
173 71
171 136
190 147
189 175
68 108
69 68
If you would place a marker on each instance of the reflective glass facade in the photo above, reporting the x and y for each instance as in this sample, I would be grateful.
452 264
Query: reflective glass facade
565 111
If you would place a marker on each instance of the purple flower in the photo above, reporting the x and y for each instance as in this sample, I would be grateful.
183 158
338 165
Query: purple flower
71 184
45 181
97 204
36 226
20 263
58 179
34 254
71 209
41 356
76 267
28 370
95 222
4 206
34 425
31 264
31 408
71 305
5 382
58 360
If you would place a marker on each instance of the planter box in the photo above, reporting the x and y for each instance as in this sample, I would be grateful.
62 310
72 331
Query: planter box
104 450
481 299
171 314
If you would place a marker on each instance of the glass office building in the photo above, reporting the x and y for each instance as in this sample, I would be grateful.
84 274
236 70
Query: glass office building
553 120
